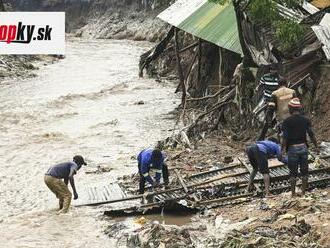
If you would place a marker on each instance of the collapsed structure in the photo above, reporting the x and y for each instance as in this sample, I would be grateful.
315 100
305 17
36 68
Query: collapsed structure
216 28
208 56
208 189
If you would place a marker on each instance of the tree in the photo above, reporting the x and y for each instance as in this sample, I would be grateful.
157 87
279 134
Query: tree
287 31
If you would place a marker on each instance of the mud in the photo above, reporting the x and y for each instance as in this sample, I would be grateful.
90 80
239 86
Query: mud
83 104
22 66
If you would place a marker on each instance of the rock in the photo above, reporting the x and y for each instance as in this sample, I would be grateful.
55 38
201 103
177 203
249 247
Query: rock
228 159
139 103
114 229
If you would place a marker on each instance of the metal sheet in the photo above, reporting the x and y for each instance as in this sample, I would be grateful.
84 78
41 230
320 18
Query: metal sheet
209 21
322 32
99 193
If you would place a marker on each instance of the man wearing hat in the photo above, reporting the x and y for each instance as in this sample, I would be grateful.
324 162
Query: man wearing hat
65 171
295 130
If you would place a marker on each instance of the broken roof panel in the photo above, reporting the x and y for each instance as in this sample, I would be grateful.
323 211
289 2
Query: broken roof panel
322 32
310 8
208 21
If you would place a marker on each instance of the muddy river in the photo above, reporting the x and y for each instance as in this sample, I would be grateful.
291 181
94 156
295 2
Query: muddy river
84 104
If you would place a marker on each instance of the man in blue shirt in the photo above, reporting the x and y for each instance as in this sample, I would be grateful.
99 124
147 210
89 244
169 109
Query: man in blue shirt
65 171
150 160
258 155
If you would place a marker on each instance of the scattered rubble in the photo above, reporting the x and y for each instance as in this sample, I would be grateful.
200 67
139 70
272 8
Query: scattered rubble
281 221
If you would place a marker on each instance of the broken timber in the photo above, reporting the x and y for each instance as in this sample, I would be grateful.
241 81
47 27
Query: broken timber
226 185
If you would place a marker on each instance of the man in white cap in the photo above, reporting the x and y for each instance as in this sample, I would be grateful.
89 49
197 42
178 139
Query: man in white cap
295 130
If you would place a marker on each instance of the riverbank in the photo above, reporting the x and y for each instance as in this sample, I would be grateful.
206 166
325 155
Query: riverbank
129 24
281 221
22 66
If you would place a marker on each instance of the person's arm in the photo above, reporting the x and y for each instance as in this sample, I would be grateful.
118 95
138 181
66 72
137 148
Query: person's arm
312 135
261 84
145 173
284 144
71 179
158 175
271 108
272 103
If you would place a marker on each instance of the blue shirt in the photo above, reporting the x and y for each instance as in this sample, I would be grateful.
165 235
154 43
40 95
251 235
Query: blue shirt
270 148
146 164
61 170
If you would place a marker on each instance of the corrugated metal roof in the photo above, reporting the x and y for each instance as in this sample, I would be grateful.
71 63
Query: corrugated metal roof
322 32
292 14
208 21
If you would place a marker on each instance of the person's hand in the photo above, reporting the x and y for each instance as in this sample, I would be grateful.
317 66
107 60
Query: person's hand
155 184
280 157
75 196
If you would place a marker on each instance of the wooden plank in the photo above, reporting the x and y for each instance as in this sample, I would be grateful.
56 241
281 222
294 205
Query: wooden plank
215 170
222 199
184 186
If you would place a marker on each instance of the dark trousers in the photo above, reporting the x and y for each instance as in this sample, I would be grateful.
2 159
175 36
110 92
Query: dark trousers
298 158
143 180
269 122
258 159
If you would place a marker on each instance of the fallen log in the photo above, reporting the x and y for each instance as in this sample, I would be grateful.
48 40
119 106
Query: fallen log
154 53
222 199
209 96
184 186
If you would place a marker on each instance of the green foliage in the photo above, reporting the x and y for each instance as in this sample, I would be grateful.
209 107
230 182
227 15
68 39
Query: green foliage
263 10
288 33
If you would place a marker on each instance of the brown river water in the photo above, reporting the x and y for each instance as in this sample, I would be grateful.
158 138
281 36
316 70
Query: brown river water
84 104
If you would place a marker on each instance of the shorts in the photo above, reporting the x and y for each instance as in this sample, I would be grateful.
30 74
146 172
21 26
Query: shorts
298 158
258 159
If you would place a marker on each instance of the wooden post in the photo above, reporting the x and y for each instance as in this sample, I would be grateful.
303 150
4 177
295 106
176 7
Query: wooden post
184 186
199 61
180 71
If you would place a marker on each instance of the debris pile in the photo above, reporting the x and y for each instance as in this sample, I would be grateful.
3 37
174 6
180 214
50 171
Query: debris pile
296 235
156 235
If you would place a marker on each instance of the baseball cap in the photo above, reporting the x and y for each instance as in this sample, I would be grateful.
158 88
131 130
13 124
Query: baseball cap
79 160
